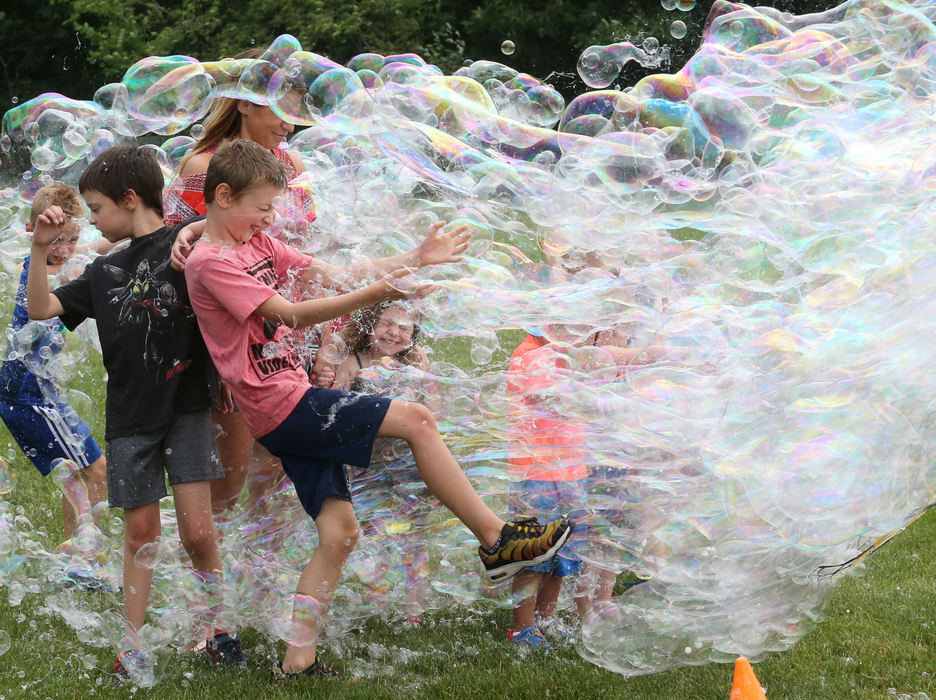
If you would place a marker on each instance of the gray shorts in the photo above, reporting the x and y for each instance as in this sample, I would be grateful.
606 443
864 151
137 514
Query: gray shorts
137 465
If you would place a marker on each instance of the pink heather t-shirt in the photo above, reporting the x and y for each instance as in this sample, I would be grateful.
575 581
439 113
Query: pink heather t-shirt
254 356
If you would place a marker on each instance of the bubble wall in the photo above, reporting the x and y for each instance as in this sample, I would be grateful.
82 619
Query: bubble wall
760 221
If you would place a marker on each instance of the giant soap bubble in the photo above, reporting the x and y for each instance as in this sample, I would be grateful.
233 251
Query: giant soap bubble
764 213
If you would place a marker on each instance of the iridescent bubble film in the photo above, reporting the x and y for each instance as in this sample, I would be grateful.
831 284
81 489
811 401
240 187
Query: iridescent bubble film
733 264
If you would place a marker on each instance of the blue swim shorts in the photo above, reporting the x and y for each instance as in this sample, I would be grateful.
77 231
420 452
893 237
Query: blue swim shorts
50 431
325 431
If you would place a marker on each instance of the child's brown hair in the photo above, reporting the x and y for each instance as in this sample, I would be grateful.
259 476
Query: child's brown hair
241 164
122 168
57 195
356 333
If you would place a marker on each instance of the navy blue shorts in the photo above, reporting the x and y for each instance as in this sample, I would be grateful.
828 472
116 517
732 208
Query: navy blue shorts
47 432
325 431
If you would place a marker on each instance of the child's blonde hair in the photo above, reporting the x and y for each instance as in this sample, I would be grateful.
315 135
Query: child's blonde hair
56 195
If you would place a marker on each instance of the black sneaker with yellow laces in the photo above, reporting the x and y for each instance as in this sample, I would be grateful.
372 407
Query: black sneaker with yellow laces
524 543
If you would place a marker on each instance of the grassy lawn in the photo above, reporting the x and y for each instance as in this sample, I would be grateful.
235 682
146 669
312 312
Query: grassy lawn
876 642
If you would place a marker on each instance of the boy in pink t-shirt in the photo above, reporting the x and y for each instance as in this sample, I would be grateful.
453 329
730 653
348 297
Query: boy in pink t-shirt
234 275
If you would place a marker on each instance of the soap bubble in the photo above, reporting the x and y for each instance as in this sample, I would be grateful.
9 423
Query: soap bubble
678 29
710 265
7 481
507 48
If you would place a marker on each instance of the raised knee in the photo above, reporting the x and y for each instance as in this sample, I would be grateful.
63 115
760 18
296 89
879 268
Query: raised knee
421 419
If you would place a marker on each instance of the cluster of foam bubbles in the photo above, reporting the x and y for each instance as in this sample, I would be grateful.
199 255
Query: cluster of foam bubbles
764 213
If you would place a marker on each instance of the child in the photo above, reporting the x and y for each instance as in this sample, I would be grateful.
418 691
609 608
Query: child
157 397
389 330
548 468
234 274
43 425
548 473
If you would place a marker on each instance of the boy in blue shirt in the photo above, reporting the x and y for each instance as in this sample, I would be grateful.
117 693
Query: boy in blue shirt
45 427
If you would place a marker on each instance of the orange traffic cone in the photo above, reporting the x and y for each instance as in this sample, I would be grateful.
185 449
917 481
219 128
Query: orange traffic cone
746 686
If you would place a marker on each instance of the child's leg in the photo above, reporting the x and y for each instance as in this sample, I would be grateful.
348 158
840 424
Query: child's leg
235 445
338 533
548 597
263 476
527 584
196 527
414 423
93 481
415 566
141 526
200 539
95 477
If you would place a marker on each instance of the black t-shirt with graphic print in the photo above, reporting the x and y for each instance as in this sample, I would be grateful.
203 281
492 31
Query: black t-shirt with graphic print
153 352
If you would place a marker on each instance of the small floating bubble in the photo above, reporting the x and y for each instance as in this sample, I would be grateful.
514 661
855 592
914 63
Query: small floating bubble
668 4
508 47
198 131
678 29
650 44
685 5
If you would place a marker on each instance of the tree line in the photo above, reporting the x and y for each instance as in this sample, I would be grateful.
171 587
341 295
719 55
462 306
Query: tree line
75 46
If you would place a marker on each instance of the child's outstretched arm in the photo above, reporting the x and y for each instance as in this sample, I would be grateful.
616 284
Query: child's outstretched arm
635 355
437 247
40 302
301 314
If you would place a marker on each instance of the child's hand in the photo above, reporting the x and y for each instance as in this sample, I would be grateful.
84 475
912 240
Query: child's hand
225 402
398 287
182 247
324 375
50 224
440 247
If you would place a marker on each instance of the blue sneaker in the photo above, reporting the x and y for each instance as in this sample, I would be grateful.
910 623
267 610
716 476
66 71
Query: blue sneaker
557 630
530 636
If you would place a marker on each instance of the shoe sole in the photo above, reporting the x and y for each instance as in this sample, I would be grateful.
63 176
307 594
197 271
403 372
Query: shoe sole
511 569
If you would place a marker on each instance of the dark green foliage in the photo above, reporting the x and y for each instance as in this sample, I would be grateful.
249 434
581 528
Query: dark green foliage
75 46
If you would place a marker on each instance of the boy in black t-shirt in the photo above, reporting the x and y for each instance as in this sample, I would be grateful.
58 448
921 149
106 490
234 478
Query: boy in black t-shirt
157 394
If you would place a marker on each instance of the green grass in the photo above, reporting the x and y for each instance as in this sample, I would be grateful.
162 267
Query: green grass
879 633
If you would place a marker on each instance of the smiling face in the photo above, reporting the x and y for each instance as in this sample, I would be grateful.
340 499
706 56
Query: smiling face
393 331
250 212
260 124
